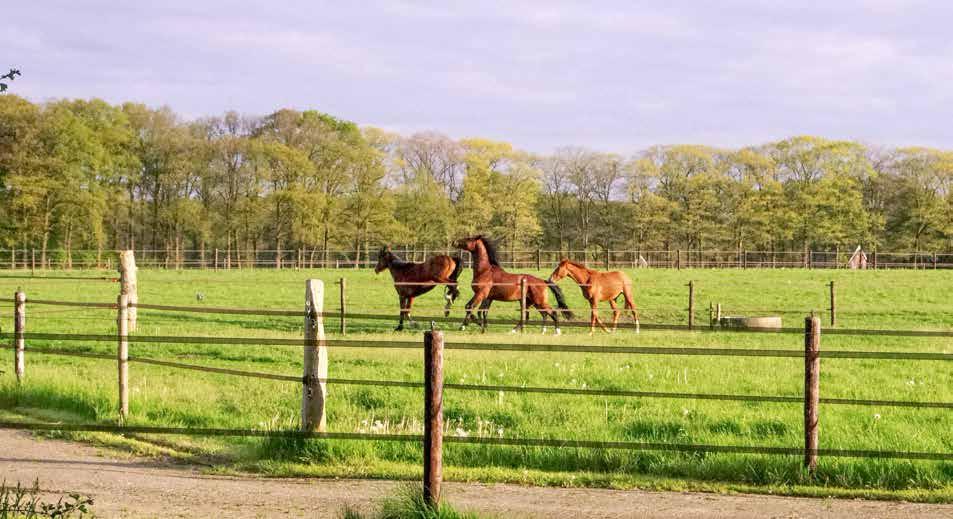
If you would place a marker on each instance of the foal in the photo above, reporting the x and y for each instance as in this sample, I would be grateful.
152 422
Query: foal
599 286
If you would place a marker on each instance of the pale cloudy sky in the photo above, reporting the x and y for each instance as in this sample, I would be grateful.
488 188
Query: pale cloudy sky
614 76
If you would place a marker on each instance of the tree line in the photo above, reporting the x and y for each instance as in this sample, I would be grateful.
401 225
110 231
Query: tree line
86 174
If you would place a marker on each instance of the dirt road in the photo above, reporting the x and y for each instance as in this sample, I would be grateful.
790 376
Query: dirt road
133 487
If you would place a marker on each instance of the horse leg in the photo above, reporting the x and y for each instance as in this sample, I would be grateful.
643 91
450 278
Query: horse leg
410 320
615 314
630 305
400 324
484 313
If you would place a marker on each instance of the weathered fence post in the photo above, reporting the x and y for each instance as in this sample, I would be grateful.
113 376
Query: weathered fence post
608 259
216 260
691 305
934 261
122 325
678 259
343 284
522 302
19 328
812 385
744 259
538 259
32 262
313 383
433 416
128 284
833 306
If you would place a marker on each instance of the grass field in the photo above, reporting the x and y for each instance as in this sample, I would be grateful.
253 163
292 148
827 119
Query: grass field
83 390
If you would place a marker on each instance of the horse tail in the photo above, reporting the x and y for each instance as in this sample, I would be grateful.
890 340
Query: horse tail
560 300
454 290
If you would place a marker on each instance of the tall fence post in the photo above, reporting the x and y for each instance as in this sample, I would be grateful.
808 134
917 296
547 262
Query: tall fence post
833 306
19 328
691 305
216 260
314 381
522 302
32 262
875 260
744 259
122 325
608 260
128 284
812 386
678 259
433 416
538 259
343 283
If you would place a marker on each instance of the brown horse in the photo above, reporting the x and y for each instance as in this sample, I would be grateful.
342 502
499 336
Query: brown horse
599 286
492 283
415 279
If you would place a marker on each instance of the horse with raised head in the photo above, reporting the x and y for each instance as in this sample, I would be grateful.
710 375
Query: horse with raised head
492 283
599 286
415 279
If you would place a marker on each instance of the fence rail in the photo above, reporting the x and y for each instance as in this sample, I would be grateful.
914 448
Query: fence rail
33 259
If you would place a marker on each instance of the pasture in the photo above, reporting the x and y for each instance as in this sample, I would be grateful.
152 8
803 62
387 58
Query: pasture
83 390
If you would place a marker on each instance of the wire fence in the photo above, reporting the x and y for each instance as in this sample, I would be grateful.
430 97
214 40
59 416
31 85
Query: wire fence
34 337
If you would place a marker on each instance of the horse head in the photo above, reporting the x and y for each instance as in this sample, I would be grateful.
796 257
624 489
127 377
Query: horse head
472 245
384 258
562 270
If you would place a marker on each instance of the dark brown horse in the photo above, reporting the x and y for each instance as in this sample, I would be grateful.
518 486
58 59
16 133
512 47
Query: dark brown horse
599 286
492 283
415 279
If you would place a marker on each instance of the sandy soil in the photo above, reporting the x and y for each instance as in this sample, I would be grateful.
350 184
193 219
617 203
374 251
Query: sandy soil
135 487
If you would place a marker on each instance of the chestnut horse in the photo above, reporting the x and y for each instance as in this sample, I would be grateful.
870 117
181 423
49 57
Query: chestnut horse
492 283
599 286
415 279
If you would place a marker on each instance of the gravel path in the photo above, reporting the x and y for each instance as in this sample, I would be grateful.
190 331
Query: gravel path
135 487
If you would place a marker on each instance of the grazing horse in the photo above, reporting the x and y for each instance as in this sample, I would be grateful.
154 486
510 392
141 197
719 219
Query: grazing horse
599 286
492 283
415 279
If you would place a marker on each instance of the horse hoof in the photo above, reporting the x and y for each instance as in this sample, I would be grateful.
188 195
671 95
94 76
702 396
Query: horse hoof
558 331
463 328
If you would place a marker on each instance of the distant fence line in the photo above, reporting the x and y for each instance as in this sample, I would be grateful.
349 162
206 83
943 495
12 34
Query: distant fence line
33 259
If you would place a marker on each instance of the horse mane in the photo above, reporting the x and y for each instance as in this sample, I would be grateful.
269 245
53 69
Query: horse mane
577 264
396 261
490 247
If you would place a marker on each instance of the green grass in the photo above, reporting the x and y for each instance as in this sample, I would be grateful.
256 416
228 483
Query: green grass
84 389
409 503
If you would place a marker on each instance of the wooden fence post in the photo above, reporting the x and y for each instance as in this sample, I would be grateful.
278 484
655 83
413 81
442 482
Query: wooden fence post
122 325
19 328
833 306
522 302
812 384
313 383
216 260
744 259
678 259
538 259
608 259
433 416
32 262
343 284
129 285
691 305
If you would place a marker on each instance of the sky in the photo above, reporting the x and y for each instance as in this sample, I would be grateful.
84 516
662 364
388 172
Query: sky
611 76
